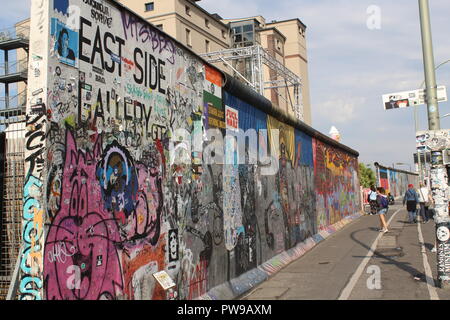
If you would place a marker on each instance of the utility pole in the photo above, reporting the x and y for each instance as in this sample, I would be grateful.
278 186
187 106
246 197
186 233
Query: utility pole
428 62
438 178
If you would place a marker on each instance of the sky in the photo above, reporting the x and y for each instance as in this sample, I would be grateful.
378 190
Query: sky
350 65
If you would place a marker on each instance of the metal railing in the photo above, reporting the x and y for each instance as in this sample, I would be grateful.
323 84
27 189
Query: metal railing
17 101
12 67
14 33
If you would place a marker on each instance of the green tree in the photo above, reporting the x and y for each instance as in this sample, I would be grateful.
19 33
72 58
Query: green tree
366 176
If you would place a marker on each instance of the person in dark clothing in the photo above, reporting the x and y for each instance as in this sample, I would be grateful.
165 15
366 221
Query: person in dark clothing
411 199
382 209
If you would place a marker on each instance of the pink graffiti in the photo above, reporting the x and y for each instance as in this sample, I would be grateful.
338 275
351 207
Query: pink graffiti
87 229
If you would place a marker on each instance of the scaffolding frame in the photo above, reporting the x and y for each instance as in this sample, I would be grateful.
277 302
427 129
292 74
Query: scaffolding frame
12 207
258 57
12 151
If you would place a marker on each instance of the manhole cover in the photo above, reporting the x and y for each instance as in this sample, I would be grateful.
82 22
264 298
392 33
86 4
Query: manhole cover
389 253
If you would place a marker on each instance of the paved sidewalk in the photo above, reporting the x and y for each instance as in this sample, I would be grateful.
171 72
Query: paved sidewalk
344 266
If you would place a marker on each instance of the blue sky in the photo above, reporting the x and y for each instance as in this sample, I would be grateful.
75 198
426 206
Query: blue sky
350 66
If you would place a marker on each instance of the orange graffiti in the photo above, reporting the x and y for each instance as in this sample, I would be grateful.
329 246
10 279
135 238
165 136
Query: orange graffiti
147 255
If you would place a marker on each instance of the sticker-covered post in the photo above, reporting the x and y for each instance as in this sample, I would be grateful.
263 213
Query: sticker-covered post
436 141
438 171
33 216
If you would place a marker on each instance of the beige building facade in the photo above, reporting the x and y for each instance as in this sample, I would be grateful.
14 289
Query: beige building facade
185 21
295 57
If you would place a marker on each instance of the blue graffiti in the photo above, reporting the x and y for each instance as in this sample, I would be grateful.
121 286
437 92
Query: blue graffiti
61 6
31 233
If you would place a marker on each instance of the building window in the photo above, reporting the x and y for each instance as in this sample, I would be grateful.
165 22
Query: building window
278 45
207 23
188 11
160 27
301 31
207 48
150 6
243 35
188 37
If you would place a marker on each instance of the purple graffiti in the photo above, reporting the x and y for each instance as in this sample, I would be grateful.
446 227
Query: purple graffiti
142 31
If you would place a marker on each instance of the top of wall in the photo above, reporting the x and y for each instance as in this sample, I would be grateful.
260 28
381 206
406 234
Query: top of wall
394 169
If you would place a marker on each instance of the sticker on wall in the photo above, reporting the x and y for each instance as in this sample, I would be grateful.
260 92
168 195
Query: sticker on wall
66 43
232 118
173 245
212 95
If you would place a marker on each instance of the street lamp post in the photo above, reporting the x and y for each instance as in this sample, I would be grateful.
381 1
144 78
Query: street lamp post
438 177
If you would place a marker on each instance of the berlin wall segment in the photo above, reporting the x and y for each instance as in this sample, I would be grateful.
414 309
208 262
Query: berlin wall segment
114 192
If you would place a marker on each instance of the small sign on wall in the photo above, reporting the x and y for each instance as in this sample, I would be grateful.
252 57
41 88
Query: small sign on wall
164 280
232 118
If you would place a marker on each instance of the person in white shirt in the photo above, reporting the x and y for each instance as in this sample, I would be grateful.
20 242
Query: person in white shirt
372 198
424 201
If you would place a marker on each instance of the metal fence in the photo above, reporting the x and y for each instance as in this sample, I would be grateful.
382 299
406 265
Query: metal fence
12 179
12 67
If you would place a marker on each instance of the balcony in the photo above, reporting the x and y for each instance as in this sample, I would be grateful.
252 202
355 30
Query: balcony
14 38
14 71
12 108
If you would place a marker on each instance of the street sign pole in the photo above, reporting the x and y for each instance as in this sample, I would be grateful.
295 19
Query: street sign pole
438 177
428 61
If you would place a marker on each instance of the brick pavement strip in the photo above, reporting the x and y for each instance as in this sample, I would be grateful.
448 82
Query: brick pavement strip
394 272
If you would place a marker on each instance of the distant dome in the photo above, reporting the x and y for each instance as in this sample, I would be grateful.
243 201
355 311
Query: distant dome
334 134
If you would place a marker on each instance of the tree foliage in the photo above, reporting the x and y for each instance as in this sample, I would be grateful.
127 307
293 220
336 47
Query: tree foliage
366 176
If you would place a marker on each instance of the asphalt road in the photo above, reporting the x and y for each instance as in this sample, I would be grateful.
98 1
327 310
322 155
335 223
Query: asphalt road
360 263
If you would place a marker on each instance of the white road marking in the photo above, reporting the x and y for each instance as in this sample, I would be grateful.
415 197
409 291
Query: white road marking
428 275
345 294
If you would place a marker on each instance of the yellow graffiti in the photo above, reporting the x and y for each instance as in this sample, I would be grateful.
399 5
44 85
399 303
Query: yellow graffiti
38 222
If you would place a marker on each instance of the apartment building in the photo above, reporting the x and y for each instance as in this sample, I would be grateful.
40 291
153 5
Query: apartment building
295 56
185 21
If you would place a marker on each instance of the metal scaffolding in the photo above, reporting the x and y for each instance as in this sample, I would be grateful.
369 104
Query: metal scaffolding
257 57
12 153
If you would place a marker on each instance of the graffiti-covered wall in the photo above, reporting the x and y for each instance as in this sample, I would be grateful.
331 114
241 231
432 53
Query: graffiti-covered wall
337 184
139 161
396 181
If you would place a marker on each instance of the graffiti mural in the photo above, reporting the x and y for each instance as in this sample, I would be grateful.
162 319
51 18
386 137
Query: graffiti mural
337 184
119 172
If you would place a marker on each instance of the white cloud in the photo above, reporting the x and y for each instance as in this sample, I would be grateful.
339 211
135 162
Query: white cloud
341 109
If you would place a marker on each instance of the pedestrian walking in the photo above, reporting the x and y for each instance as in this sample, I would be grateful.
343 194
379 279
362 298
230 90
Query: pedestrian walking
372 199
410 199
425 201
383 205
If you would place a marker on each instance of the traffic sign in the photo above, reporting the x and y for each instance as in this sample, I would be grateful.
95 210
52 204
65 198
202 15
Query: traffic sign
411 98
